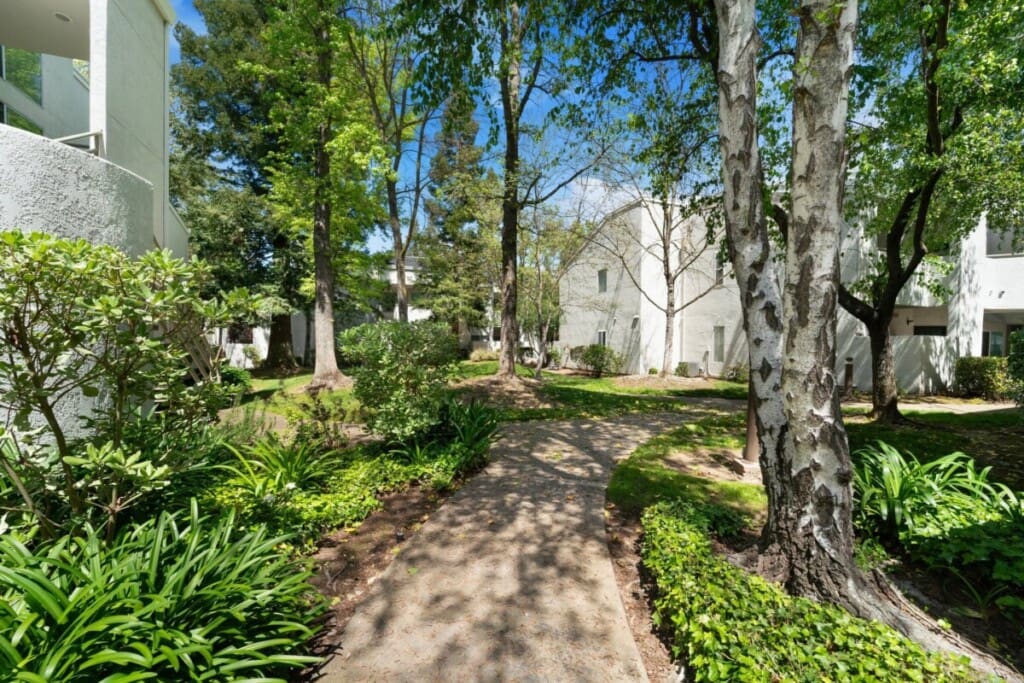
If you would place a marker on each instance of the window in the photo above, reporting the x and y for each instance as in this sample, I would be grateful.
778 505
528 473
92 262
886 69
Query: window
929 330
496 334
719 270
719 350
992 343
12 118
602 280
23 70
602 338
240 333
81 68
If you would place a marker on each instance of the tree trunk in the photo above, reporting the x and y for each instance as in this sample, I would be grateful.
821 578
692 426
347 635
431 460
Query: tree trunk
884 394
670 317
746 230
542 350
510 82
751 449
325 370
811 544
394 220
280 354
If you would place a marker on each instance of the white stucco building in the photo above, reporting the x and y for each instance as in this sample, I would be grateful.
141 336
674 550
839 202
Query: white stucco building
982 306
83 121
614 295
603 304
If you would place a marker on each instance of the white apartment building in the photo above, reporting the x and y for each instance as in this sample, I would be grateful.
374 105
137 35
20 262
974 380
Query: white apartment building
603 304
614 295
84 121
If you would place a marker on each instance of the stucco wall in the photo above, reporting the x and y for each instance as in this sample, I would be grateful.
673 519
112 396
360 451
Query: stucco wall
53 188
129 100
585 310
176 234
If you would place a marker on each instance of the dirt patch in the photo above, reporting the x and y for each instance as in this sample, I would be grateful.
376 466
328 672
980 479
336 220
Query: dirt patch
350 560
624 547
501 392
722 464
670 383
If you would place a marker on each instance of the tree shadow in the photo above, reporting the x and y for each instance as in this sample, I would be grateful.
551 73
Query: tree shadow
511 578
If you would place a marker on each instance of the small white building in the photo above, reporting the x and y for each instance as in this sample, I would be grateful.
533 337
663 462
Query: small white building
603 303
84 121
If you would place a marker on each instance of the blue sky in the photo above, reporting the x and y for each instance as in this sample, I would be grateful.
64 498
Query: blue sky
187 14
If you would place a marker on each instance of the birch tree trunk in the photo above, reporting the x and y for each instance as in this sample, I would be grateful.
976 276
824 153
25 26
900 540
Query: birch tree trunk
747 233
813 532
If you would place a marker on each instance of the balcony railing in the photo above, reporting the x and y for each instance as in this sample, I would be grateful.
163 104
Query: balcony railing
94 142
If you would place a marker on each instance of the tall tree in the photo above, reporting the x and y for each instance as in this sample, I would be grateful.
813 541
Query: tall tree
507 47
386 61
222 146
458 251
325 137
938 140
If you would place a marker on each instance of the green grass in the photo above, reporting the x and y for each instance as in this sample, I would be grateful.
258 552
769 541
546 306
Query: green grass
262 385
483 368
575 396
646 477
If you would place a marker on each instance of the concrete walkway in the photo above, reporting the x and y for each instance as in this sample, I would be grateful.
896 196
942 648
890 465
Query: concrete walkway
511 579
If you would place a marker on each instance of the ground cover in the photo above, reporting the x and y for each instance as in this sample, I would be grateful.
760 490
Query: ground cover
698 464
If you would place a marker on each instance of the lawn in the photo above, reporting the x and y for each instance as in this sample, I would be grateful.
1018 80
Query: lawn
647 475
565 396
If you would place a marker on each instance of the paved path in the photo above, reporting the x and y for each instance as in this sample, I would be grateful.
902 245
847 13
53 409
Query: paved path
511 579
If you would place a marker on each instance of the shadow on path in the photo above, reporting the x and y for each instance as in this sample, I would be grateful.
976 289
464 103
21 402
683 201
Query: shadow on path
511 578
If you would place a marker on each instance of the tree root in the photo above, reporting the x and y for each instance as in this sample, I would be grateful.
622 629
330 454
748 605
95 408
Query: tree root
872 596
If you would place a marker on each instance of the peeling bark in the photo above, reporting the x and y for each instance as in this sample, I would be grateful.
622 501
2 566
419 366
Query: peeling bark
746 229
814 529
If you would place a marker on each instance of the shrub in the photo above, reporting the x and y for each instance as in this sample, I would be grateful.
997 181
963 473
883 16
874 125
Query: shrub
1015 366
738 373
272 468
401 374
178 598
729 625
597 359
83 320
238 379
947 516
894 492
478 355
984 377
652 371
682 370
554 357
